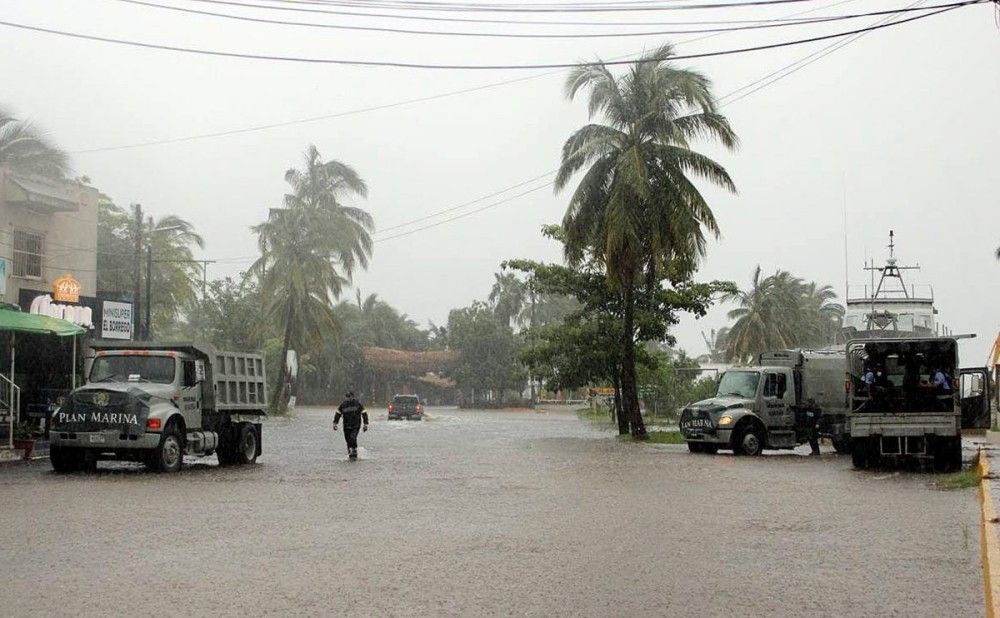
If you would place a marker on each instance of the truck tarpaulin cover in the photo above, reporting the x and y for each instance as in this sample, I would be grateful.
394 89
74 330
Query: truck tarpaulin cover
101 410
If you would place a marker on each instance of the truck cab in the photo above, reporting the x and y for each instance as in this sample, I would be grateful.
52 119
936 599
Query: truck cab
909 399
753 409
156 403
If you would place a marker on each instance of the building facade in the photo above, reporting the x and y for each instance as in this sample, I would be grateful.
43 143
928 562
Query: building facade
48 228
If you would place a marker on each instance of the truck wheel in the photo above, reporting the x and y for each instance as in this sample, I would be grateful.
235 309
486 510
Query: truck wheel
749 441
841 445
65 459
948 454
169 455
859 453
246 448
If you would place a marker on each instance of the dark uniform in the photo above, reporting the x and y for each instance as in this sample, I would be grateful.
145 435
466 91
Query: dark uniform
354 415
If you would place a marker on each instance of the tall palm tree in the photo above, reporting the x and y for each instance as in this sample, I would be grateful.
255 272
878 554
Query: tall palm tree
309 251
508 296
175 280
24 148
781 311
636 208
764 317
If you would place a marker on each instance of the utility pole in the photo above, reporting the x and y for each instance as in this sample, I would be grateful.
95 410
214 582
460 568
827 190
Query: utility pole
149 292
531 331
136 271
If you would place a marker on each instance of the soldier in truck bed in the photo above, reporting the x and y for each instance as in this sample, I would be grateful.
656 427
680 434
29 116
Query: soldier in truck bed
354 413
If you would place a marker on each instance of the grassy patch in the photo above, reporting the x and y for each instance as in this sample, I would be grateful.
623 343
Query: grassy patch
658 437
959 480
599 416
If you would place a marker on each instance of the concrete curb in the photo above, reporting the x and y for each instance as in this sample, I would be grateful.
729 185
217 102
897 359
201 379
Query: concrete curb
990 542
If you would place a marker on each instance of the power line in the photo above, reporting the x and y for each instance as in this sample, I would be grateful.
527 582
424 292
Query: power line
469 203
496 67
540 8
796 66
352 112
763 24
438 18
466 214
722 101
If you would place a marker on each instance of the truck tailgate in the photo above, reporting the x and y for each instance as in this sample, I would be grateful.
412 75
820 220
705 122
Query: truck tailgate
943 424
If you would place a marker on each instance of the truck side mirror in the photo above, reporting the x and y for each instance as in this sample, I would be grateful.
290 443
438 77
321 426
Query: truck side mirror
199 371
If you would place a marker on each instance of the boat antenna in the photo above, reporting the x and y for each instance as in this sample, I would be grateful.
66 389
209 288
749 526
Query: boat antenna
847 281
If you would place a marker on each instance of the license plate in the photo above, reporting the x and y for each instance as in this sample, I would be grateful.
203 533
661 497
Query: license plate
96 437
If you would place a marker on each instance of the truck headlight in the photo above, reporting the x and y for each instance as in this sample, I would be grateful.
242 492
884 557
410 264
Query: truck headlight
725 420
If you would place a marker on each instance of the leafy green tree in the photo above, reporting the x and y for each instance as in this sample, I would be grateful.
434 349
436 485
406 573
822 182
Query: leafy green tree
25 149
229 317
489 349
635 206
586 347
673 382
309 251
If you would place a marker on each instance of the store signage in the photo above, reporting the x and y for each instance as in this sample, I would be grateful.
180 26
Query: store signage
66 289
116 321
77 314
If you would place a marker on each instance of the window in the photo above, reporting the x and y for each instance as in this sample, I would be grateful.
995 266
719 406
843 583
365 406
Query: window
190 374
28 254
775 385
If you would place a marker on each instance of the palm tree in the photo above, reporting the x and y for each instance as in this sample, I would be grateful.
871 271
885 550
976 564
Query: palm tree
781 311
764 319
175 275
123 244
309 250
25 149
508 297
636 208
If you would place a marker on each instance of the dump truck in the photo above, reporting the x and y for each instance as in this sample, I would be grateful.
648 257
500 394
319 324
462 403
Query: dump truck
772 405
902 412
157 402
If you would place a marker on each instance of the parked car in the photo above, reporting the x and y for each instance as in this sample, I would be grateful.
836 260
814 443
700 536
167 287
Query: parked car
406 406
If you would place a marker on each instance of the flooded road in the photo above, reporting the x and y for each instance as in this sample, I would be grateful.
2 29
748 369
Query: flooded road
473 513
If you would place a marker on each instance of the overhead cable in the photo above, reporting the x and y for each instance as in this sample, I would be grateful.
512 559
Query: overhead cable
483 20
442 95
481 67
541 35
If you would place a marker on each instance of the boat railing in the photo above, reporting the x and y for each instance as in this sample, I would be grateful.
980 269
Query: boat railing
917 292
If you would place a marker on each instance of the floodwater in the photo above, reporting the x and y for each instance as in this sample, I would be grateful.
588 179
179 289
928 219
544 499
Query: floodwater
487 513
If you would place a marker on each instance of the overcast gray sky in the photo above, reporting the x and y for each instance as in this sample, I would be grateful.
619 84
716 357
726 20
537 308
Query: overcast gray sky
904 120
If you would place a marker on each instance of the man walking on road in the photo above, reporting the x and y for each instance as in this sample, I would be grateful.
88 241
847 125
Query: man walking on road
354 413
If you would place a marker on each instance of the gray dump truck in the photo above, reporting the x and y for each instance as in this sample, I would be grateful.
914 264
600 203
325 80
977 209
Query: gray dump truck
155 403
772 405
901 413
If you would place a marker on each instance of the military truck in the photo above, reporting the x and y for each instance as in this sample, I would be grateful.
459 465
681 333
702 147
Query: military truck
156 402
901 413
772 405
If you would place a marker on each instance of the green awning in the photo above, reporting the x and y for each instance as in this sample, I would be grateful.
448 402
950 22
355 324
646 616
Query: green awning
20 322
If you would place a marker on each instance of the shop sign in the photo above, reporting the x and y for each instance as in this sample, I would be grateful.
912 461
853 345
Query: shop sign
77 314
116 321
66 289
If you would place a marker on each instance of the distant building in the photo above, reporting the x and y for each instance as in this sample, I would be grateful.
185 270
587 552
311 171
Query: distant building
48 228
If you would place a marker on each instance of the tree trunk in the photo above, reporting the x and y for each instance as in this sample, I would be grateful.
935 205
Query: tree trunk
280 399
630 389
619 414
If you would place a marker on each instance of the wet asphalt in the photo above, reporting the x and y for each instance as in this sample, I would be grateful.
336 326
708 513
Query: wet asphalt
487 513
